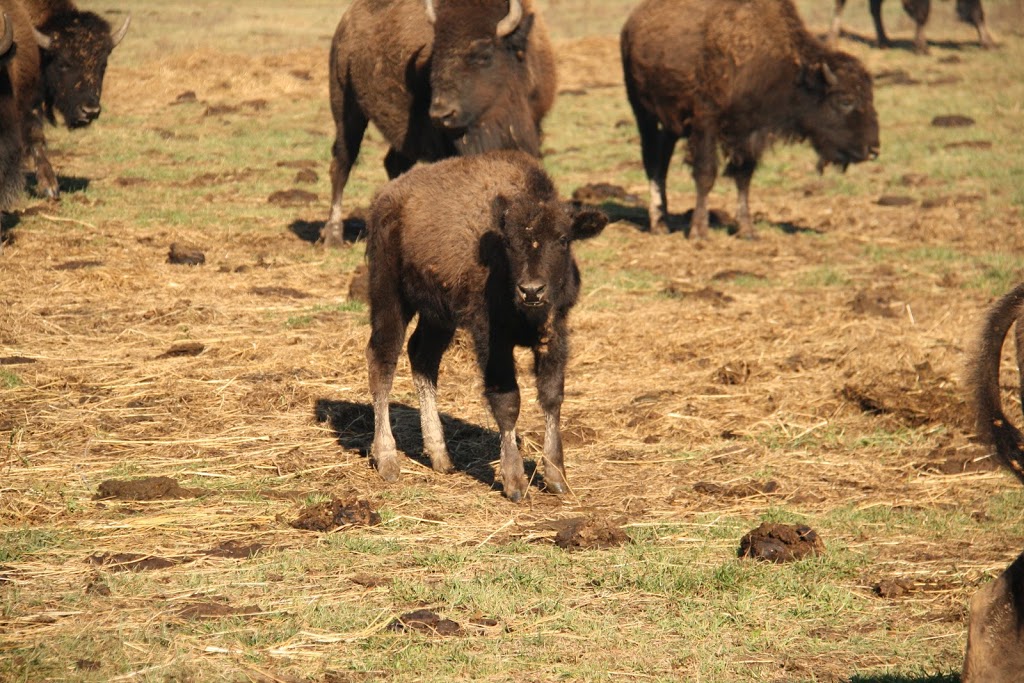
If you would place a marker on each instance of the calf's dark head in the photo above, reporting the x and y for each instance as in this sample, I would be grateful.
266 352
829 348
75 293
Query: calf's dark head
75 48
838 114
536 238
478 74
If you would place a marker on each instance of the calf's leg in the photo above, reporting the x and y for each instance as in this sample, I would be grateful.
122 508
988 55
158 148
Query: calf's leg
426 346
387 332
742 170
549 365
502 392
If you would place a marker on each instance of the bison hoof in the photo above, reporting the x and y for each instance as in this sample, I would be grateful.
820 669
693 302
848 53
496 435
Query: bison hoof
659 227
388 469
556 487
517 491
442 465
332 236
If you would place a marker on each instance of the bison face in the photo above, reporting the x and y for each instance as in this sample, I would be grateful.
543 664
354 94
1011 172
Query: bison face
840 118
478 74
537 241
75 47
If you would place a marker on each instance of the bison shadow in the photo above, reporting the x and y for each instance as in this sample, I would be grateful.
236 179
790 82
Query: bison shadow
472 447
8 222
681 222
906 678
905 44
309 231
66 184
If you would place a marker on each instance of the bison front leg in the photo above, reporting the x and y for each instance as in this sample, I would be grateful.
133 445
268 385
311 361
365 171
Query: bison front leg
876 17
502 392
705 168
46 179
836 27
549 364
426 346
742 170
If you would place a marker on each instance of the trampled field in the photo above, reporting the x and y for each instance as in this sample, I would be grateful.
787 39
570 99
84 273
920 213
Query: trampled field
813 376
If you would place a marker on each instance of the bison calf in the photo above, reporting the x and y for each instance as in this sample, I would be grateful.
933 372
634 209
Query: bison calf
995 641
482 243
738 74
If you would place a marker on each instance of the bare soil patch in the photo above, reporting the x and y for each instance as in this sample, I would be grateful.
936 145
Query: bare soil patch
147 488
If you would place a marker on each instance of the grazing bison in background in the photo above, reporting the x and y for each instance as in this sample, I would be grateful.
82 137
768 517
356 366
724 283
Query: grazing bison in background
995 640
459 77
969 11
739 74
75 48
482 243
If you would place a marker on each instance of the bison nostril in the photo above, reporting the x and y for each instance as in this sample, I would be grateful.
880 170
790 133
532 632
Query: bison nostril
872 153
531 292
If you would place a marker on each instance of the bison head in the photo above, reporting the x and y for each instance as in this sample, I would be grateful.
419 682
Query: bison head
839 117
478 74
537 239
75 47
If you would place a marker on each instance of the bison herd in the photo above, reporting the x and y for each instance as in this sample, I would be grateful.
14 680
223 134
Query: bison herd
480 240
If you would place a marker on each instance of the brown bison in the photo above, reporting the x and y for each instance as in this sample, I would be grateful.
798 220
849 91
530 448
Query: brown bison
482 243
969 11
995 640
738 74
75 48
19 85
459 77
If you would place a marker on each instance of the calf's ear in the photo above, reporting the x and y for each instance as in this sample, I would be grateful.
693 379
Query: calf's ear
587 224
517 40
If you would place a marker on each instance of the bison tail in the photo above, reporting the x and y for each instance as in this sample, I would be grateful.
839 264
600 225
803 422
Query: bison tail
992 425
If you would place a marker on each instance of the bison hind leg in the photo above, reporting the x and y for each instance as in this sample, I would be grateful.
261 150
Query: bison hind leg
426 346
388 323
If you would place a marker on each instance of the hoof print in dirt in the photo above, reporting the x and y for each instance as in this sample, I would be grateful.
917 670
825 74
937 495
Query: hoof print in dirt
147 488
893 588
425 621
586 533
216 610
952 121
183 349
182 255
895 200
131 562
780 543
238 550
292 197
336 513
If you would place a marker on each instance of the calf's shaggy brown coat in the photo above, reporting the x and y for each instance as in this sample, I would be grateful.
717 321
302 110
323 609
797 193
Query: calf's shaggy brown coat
482 243
738 74
995 640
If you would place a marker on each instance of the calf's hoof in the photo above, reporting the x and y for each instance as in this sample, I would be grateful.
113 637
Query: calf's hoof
388 468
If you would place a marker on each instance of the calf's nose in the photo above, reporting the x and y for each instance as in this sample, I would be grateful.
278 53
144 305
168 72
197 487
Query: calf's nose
532 293
90 111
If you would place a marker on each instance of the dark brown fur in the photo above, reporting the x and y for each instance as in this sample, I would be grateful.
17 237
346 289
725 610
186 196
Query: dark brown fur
995 641
435 91
482 243
738 74
72 70
968 11
19 92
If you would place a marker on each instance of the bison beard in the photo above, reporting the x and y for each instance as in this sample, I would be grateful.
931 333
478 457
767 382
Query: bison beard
480 243
995 641
736 75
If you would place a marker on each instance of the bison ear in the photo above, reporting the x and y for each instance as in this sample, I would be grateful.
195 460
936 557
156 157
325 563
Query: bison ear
818 78
516 41
587 224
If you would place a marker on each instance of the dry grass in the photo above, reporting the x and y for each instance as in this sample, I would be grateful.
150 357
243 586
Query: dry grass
827 357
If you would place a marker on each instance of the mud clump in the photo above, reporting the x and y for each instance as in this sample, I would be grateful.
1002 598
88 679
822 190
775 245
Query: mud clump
425 621
147 488
180 254
587 533
235 550
292 197
874 302
952 121
780 543
78 265
131 562
712 296
598 193
893 588
284 292
336 513
747 490
216 610
895 200
183 349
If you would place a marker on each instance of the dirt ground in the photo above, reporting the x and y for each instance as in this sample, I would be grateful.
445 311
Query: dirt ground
818 367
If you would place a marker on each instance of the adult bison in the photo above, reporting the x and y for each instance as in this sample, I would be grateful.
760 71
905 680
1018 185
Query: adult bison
482 243
995 640
968 11
19 83
459 77
738 74
75 48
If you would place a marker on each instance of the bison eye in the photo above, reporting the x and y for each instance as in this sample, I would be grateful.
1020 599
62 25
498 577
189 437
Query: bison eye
845 105
480 53
563 240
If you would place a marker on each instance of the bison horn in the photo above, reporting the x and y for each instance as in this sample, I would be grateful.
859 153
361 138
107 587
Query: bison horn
118 35
8 38
830 78
42 40
512 19
431 14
